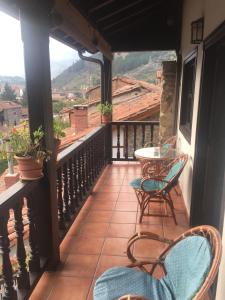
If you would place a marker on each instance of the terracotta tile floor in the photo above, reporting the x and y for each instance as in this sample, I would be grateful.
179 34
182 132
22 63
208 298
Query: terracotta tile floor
98 237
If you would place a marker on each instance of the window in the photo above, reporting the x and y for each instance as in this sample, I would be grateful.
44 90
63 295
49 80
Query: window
187 98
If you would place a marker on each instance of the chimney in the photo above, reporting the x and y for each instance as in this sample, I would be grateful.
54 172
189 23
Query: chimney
79 117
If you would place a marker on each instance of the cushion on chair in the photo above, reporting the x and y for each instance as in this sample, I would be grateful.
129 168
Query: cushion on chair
174 170
149 185
187 265
120 281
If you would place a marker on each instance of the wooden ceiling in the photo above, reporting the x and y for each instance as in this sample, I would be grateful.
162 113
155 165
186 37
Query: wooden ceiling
113 25
135 25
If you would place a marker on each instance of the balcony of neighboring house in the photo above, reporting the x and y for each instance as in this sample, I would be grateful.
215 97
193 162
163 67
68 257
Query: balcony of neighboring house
75 222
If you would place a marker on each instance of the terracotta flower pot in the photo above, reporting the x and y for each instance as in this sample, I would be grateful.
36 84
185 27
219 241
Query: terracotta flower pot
106 118
29 167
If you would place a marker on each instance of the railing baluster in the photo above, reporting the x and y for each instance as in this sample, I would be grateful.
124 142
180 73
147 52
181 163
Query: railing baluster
70 187
23 276
66 192
79 176
118 142
126 142
60 199
75 187
152 132
9 291
143 134
135 138
34 261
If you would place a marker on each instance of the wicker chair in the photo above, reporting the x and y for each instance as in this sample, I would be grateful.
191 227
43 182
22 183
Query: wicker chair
156 189
189 263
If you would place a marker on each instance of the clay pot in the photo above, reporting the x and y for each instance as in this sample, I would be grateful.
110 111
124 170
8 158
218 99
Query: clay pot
29 168
106 118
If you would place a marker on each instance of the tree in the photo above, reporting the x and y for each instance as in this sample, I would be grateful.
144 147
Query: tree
8 93
24 100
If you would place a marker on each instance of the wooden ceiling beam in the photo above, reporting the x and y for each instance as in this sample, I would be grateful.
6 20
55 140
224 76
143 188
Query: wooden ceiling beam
103 4
76 26
132 15
115 12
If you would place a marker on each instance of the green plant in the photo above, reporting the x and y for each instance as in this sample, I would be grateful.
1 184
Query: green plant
58 126
105 108
21 143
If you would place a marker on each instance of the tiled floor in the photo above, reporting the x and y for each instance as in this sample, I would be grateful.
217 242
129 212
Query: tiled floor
97 239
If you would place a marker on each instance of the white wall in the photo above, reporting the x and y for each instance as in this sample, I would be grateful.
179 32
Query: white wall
213 12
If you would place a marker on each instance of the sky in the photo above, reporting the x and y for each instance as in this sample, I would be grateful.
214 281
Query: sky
11 49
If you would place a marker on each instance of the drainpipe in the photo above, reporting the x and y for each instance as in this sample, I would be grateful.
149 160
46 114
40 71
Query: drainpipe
99 62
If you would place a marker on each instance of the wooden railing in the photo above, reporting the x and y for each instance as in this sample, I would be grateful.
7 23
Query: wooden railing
78 168
127 136
26 206
19 209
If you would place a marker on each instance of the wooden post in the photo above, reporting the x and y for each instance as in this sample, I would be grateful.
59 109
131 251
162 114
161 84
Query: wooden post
108 98
34 17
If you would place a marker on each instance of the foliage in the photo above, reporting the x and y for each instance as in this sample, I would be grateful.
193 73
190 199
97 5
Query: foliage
58 126
21 143
58 106
8 93
24 100
105 108
3 165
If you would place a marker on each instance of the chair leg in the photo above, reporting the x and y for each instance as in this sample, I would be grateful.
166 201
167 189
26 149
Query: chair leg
170 203
143 207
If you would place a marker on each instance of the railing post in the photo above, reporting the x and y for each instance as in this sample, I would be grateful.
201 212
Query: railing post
35 22
108 98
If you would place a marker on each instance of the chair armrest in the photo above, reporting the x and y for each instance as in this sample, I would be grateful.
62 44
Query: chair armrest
144 235
132 297
154 262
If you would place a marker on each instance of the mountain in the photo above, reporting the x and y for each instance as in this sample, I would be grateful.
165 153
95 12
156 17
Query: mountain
15 80
139 65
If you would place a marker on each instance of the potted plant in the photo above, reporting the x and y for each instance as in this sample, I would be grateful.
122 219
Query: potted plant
106 112
27 150
58 126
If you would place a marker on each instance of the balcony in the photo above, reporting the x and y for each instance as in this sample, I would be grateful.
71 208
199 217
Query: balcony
97 212
98 237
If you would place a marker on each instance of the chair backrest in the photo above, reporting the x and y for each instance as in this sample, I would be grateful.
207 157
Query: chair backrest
175 168
192 262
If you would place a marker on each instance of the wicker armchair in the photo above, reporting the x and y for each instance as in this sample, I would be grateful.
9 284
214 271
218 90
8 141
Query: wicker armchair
156 189
190 264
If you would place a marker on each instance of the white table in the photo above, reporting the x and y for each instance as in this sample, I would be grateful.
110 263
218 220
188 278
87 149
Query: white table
156 154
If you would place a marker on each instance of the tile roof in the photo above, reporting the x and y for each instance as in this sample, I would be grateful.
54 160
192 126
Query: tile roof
138 107
8 105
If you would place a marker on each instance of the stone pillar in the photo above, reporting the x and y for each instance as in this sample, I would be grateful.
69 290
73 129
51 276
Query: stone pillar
167 108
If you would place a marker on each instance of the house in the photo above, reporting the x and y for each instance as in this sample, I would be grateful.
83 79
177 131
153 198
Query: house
10 113
196 30
132 100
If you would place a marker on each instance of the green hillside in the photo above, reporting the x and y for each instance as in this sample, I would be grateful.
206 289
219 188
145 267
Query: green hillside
139 65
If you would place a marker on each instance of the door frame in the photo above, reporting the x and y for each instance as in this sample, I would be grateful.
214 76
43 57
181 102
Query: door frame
202 119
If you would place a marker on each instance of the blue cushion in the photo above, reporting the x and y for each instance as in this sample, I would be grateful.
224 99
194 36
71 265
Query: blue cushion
120 281
149 185
174 170
187 265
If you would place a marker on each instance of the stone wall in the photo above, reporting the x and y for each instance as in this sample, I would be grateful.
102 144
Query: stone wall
167 108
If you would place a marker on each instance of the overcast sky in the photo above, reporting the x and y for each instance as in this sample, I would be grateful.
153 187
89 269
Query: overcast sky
11 48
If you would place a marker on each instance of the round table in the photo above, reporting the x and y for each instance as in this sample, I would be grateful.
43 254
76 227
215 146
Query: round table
156 154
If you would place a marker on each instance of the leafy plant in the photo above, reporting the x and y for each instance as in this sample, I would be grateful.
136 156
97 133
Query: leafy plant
58 126
21 143
105 108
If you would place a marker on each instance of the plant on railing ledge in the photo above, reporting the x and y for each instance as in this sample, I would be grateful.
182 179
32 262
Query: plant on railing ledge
27 149
106 111
58 130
